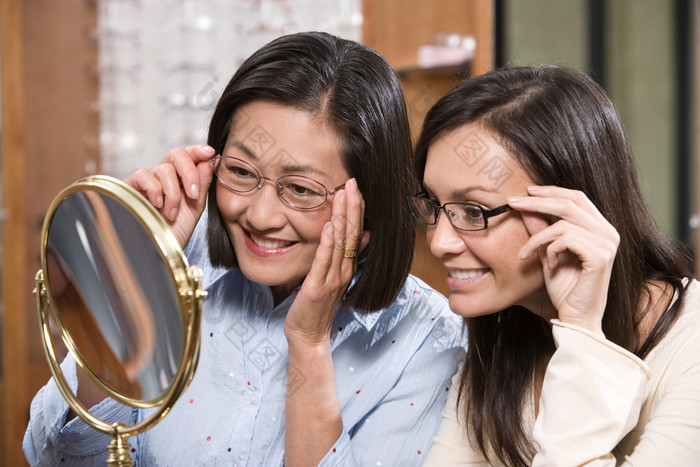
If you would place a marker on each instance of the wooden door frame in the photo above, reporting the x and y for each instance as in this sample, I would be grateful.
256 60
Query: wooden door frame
14 381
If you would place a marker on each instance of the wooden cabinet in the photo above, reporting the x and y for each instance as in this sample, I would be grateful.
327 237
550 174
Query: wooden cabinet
47 86
49 135
397 28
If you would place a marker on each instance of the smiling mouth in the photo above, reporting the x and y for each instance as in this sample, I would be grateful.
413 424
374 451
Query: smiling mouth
467 273
268 243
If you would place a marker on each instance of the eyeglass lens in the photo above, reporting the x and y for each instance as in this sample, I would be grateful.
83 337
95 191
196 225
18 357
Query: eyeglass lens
296 190
463 216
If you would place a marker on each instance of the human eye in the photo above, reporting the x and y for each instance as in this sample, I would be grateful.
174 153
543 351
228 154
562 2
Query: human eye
300 190
467 214
239 170
472 212
301 187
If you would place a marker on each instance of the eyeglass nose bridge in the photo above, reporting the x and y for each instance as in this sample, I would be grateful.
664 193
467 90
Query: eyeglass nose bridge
278 187
436 212
262 180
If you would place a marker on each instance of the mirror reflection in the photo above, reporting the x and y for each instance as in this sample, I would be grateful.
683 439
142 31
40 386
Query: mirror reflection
99 260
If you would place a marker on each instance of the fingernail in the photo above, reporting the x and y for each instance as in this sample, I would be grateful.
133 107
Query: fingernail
352 183
173 214
194 189
159 202
533 189
514 200
208 149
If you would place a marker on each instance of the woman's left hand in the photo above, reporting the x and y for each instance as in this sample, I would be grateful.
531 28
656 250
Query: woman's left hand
577 250
310 317
313 421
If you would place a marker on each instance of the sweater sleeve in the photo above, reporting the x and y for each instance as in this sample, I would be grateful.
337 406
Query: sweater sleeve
591 398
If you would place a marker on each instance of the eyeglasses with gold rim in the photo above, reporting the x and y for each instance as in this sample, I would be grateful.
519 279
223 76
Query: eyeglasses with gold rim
297 191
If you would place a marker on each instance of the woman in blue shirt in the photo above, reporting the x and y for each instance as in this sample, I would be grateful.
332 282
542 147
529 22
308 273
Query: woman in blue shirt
317 346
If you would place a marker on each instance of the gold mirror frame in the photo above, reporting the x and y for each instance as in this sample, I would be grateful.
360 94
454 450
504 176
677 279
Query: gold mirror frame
187 283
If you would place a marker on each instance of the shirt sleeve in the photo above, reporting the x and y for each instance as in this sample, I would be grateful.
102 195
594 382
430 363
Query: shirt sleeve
50 441
399 430
591 398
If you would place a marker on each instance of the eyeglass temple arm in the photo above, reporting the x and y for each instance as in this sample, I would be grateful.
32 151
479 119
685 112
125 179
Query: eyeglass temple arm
497 211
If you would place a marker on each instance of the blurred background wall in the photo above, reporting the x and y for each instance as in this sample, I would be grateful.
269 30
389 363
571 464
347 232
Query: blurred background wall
643 52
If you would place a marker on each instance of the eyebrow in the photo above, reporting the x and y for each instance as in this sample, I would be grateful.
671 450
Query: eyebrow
462 193
245 149
288 168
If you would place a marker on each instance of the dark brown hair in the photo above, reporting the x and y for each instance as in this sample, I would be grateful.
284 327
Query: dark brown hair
353 89
563 130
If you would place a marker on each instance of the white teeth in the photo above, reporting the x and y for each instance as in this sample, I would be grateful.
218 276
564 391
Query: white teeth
271 244
466 273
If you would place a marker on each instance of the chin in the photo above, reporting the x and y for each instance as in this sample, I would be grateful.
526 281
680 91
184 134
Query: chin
269 278
469 308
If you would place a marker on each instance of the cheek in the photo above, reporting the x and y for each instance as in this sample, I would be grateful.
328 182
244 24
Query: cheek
504 249
309 224
230 204
515 240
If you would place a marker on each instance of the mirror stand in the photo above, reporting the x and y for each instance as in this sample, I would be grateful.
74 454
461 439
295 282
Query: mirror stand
125 301
119 448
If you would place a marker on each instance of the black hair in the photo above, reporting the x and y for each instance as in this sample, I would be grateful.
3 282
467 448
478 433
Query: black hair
353 89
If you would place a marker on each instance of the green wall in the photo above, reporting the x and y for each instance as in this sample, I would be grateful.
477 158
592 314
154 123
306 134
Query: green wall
639 73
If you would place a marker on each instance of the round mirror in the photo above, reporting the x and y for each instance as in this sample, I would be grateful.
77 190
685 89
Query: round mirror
125 301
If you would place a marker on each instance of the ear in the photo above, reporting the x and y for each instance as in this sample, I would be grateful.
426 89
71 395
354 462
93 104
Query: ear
364 241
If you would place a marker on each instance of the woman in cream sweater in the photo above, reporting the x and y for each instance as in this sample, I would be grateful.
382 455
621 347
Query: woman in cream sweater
583 321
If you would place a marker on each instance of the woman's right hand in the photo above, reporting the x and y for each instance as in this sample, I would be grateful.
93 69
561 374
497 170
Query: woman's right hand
577 251
178 187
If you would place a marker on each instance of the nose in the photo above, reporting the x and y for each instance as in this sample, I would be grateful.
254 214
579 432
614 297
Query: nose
266 209
443 239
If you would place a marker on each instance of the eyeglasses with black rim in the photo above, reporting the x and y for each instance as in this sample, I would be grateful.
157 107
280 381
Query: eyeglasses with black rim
463 216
